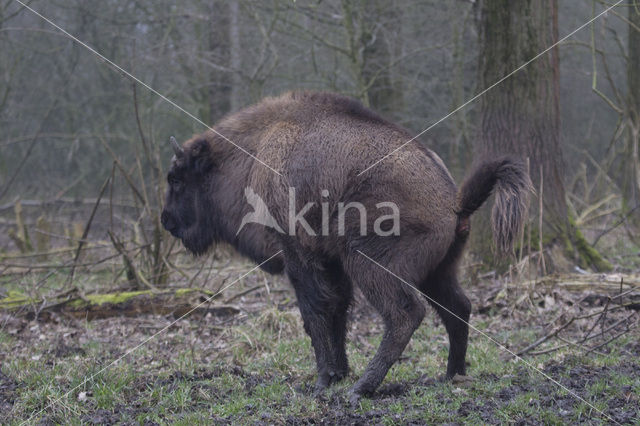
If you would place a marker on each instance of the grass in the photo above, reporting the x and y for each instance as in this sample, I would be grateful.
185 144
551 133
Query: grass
260 368
271 373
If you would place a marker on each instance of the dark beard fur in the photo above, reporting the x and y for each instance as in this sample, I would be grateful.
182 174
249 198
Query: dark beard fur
197 242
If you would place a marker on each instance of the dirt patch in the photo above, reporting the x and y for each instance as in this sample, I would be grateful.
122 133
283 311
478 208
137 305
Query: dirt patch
483 408
107 417
215 346
8 388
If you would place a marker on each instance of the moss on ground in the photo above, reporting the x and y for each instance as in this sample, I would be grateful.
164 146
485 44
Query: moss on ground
587 254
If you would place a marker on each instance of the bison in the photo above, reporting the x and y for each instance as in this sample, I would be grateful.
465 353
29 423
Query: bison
321 146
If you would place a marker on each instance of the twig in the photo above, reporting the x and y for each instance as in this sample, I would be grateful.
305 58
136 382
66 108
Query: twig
117 244
540 211
113 176
124 172
58 266
85 233
577 345
546 351
61 200
613 327
620 292
618 223
243 293
41 254
172 266
609 341
595 323
543 339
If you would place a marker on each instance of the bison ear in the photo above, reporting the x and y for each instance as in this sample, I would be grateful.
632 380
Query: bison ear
201 156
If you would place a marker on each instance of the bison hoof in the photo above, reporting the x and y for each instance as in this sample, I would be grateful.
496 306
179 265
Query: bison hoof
336 376
329 378
459 379
359 390
354 398
320 394
319 388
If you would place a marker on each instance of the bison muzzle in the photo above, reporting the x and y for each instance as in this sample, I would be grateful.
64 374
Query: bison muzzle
321 146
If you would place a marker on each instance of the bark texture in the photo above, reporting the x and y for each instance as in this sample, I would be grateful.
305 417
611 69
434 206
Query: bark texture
520 115
631 170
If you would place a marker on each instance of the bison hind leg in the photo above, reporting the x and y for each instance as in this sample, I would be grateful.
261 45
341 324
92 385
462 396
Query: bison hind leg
402 313
454 308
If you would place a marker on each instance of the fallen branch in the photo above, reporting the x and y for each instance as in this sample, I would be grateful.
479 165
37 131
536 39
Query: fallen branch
620 289
128 303
581 282
61 200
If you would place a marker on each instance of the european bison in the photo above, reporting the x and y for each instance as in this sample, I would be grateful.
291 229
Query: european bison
318 146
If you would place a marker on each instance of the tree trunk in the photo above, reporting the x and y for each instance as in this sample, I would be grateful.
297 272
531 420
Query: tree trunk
219 94
520 116
460 147
381 41
234 56
631 169
353 23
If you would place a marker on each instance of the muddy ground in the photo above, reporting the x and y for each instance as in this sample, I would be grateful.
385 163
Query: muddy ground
257 367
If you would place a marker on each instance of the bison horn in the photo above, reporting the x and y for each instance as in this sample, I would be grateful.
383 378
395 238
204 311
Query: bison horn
177 149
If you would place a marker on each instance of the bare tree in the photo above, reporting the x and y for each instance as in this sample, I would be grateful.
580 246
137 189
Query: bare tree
631 171
521 115
235 60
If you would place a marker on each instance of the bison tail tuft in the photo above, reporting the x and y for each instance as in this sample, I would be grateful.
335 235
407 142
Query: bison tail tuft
509 180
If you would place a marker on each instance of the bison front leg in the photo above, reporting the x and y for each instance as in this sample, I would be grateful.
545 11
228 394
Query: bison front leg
318 303
339 331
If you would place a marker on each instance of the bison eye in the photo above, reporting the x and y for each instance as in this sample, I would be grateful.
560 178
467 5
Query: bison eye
176 184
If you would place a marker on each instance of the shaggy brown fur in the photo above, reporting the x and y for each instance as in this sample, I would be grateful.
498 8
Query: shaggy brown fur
320 141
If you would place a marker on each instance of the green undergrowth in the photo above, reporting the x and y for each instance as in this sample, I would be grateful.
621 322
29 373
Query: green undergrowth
266 376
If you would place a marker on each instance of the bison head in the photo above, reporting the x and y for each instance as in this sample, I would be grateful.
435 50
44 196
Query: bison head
187 213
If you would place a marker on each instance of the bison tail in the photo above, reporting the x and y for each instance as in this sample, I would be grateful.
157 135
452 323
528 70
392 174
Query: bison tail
509 179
